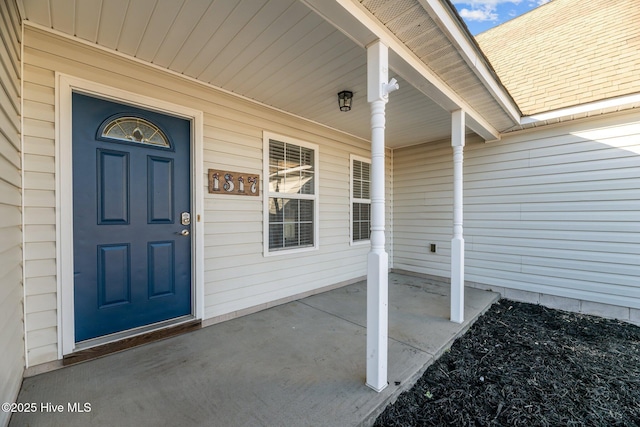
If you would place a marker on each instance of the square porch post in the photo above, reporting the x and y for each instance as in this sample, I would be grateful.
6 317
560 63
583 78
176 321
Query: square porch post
378 260
457 242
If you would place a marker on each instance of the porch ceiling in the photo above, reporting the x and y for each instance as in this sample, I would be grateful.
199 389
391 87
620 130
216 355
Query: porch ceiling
277 52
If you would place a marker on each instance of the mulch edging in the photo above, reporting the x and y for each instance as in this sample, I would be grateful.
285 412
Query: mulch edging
527 365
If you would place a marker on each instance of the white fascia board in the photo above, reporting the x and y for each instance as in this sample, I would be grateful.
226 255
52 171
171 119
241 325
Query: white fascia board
470 54
620 102
363 28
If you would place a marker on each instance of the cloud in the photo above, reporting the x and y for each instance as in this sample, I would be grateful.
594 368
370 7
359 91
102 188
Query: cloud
480 15
488 3
483 10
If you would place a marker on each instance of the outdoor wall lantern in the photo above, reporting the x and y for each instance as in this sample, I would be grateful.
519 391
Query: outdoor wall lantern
344 100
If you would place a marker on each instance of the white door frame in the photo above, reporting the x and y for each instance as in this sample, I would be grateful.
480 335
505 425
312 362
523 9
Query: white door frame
65 86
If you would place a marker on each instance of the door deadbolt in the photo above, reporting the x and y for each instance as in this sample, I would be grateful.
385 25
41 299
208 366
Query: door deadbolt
185 218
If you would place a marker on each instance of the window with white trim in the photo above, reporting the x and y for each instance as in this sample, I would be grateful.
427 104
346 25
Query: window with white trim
291 202
360 199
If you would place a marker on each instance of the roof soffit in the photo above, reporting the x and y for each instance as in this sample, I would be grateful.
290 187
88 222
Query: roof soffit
248 47
435 37
445 14
362 26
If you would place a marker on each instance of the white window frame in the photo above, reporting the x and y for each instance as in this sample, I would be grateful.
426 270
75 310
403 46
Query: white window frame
266 194
353 200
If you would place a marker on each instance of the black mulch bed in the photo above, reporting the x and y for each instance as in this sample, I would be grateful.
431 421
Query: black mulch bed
527 365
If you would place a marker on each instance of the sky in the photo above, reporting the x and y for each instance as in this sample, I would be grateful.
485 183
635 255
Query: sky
480 15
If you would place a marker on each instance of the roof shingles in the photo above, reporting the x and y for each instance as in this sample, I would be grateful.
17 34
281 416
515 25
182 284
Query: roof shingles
567 52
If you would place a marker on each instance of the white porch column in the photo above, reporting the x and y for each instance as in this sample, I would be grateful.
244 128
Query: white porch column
378 260
457 242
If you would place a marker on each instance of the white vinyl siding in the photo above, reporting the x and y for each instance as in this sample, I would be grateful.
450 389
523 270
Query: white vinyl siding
552 211
238 277
12 359
40 215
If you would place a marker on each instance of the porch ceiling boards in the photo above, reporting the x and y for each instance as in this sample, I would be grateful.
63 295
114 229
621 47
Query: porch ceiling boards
277 52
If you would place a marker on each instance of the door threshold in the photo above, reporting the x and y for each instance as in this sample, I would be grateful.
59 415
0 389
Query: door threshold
100 350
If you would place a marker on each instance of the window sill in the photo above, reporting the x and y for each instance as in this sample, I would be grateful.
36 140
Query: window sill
291 251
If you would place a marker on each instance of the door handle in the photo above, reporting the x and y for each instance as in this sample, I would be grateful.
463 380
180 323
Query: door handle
184 232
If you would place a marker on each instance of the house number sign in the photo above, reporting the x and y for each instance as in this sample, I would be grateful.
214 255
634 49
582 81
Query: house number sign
238 183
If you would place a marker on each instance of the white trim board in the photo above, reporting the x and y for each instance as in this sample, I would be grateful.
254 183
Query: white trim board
621 102
65 86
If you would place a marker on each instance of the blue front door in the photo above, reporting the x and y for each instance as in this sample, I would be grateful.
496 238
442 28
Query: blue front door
131 208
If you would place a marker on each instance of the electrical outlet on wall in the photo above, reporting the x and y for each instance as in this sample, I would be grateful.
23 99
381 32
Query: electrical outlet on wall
432 248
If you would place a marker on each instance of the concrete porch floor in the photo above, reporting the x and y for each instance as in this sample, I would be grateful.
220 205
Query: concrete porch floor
298 364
